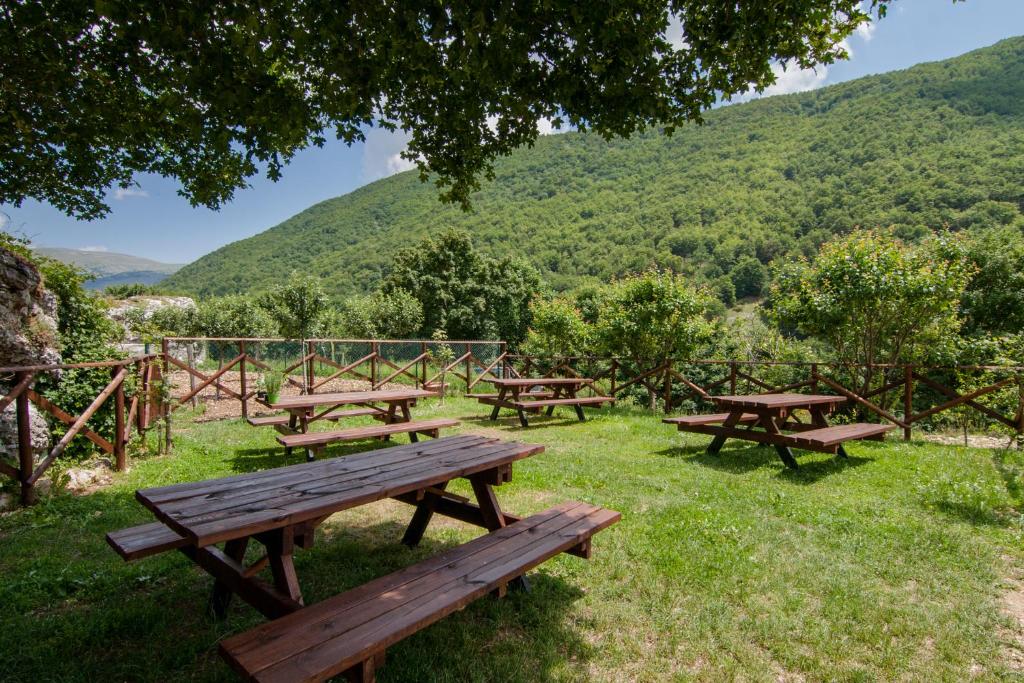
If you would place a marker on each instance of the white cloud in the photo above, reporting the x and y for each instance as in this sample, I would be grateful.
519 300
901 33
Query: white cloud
788 81
382 154
866 31
95 247
396 163
122 193
674 33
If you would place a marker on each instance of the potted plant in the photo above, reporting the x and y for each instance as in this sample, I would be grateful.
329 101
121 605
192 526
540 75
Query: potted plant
270 386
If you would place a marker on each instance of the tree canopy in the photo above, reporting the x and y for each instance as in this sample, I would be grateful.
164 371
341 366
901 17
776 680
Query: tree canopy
216 92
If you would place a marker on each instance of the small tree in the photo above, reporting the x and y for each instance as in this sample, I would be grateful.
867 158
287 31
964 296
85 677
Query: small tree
299 306
382 315
653 317
442 354
875 300
557 328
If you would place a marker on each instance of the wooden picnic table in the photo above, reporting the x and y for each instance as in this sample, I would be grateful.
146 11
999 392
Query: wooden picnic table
280 508
517 393
349 632
304 409
771 419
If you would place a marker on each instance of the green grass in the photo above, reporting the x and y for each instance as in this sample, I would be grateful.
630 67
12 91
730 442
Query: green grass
890 565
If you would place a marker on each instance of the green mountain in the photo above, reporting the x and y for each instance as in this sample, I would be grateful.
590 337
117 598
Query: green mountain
111 268
939 144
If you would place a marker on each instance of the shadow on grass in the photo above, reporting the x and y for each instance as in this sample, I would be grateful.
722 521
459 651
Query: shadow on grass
257 459
67 594
511 423
741 459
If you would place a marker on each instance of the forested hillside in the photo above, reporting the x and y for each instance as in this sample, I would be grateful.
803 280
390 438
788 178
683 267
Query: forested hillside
936 145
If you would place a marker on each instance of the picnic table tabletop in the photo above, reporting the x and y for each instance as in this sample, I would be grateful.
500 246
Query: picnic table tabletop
208 512
777 401
538 381
307 401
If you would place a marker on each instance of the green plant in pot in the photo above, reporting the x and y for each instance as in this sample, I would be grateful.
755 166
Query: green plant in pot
270 384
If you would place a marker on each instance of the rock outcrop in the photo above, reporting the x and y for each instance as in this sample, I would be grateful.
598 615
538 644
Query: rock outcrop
28 314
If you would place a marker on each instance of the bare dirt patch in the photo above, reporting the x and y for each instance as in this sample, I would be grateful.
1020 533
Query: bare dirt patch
973 440
1013 608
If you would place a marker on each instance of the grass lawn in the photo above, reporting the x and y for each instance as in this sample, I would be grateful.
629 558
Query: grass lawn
891 565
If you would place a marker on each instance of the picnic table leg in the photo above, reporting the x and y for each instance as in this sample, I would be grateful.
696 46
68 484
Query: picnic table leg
497 404
292 420
421 518
280 546
716 444
494 519
579 409
820 420
304 428
220 597
785 454
519 409
407 417
557 394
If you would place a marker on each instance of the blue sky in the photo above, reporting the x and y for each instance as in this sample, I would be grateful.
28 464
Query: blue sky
153 221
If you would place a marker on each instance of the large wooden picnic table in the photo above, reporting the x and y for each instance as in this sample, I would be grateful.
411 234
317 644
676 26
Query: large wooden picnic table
303 407
518 394
280 508
771 419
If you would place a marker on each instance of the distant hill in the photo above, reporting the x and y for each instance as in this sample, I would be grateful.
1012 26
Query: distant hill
939 144
110 268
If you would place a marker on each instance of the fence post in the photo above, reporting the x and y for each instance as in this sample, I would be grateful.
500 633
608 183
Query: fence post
732 378
668 387
165 396
25 460
615 371
242 384
423 352
374 350
140 393
814 378
119 423
310 368
503 349
191 357
908 400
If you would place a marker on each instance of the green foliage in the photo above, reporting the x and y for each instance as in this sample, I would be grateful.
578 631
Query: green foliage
772 179
557 329
232 316
654 316
382 315
270 383
81 315
749 276
299 306
214 93
464 293
127 290
874 299
175 321
993 302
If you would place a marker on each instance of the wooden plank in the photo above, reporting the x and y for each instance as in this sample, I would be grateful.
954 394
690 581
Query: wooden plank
333 415
141 541
538 381
332 636
68 419
837 434
713 418
299 506
573 401
776 401
306 401
367 432
24 383
165 494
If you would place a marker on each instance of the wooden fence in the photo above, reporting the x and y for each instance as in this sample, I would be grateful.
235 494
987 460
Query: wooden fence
312 364
133 411
916 390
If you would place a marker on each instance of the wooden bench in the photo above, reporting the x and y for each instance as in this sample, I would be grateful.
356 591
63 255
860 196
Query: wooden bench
314 442
827 437
552 402
713 418
144 540
535 394
334 415
348 634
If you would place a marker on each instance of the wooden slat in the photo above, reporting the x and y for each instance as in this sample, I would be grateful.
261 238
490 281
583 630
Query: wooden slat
144 540
714 418
539 381
330 637
273 420
367 432
22 385
578 401
773 401
68 419
837 434
350 397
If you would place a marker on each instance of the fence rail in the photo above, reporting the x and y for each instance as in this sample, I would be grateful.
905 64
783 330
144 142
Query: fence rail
913 387
131 413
